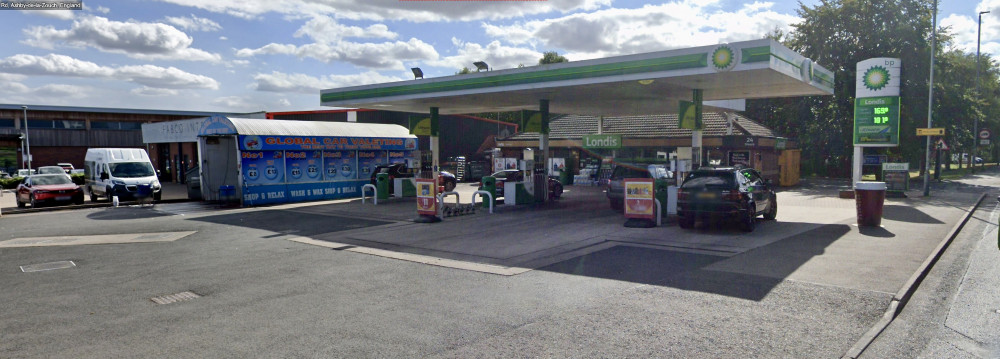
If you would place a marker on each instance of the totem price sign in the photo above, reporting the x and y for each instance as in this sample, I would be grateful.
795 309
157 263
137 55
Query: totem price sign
876 121
639 198
876 106
426 197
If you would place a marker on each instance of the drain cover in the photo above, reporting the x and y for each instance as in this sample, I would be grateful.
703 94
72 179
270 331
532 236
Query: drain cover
174 298
41 267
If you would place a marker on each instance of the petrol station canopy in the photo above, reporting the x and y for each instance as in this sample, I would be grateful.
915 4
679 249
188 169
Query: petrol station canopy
640 84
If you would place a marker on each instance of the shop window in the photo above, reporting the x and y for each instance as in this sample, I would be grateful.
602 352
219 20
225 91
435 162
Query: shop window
69 125
39 124
130 125
107 125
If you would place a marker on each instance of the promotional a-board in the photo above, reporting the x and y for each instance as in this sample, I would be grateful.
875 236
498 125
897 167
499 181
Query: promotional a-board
426 197
639 198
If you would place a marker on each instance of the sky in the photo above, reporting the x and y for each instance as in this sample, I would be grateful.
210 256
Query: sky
251 55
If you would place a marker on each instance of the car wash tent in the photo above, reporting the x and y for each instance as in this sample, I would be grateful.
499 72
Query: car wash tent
276 161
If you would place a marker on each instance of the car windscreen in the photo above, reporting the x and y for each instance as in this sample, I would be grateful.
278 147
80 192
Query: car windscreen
51 170
132 169
50 180
629 171
709 179
658 172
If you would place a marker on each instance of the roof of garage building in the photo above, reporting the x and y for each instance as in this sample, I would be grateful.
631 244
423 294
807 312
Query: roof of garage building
638 84
221 125
649 126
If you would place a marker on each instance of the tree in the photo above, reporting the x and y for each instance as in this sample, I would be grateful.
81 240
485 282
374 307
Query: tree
463 71
838 34
551 57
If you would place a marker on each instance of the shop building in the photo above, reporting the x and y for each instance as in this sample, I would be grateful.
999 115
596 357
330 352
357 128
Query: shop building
728 138
58 134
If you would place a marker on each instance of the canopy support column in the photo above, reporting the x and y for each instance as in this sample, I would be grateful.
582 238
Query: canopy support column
543 145
696 134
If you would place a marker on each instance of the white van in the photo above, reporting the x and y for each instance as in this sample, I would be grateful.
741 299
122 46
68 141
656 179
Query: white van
119 172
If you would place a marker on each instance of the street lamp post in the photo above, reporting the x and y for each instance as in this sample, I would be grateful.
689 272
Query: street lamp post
975 126
27 138
930 102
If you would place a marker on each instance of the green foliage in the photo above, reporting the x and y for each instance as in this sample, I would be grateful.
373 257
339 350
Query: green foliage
11 183
463 71
551 57
837 34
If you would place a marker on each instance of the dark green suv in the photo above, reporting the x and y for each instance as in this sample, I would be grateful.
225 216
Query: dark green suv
733 193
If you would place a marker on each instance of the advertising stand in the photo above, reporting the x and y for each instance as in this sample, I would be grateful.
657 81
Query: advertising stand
897 179
427 205
640 206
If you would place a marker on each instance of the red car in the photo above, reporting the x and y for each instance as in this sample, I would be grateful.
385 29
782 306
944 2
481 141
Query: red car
54 188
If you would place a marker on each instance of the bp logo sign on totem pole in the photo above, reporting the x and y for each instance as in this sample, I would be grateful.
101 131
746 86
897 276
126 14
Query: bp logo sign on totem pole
876 103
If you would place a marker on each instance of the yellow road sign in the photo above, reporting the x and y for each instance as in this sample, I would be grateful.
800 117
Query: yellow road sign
930 132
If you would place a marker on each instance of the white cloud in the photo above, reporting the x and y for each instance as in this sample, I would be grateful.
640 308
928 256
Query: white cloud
964 30
325 29
63 91
19 92
651 28
146 41
61 65
153 92
386 55
284 102
194 23
54 14
421 11
103 10
494 54
237 102
301 83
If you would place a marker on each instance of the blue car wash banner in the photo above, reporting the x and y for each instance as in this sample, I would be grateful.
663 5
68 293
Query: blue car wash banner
279 169
340 165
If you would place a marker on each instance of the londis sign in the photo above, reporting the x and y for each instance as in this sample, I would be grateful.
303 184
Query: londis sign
602 141
255 143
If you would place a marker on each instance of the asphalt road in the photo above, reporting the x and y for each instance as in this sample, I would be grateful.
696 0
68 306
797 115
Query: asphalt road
265 296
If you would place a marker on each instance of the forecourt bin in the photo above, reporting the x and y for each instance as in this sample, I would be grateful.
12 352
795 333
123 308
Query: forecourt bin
489 185
869 198
382 186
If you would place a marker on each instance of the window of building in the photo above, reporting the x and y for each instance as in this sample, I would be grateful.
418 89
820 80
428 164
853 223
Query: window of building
69 125
6 123
110 125
39 123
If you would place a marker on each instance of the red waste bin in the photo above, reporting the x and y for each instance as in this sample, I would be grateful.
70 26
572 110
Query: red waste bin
869 198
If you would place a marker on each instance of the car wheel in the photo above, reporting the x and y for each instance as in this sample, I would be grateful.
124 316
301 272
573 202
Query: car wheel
157 196
748 222
449 185
686 222
20 204
93 196
109 192
34 204
617 205
556 192
78 200
772 210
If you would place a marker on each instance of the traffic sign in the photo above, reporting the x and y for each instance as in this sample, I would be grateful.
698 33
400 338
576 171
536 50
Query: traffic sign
941 145
930 132
985 133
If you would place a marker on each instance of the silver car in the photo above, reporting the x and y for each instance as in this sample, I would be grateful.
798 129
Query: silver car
616 184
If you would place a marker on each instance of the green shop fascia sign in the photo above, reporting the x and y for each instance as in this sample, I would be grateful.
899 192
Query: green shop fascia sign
876 121
602 141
